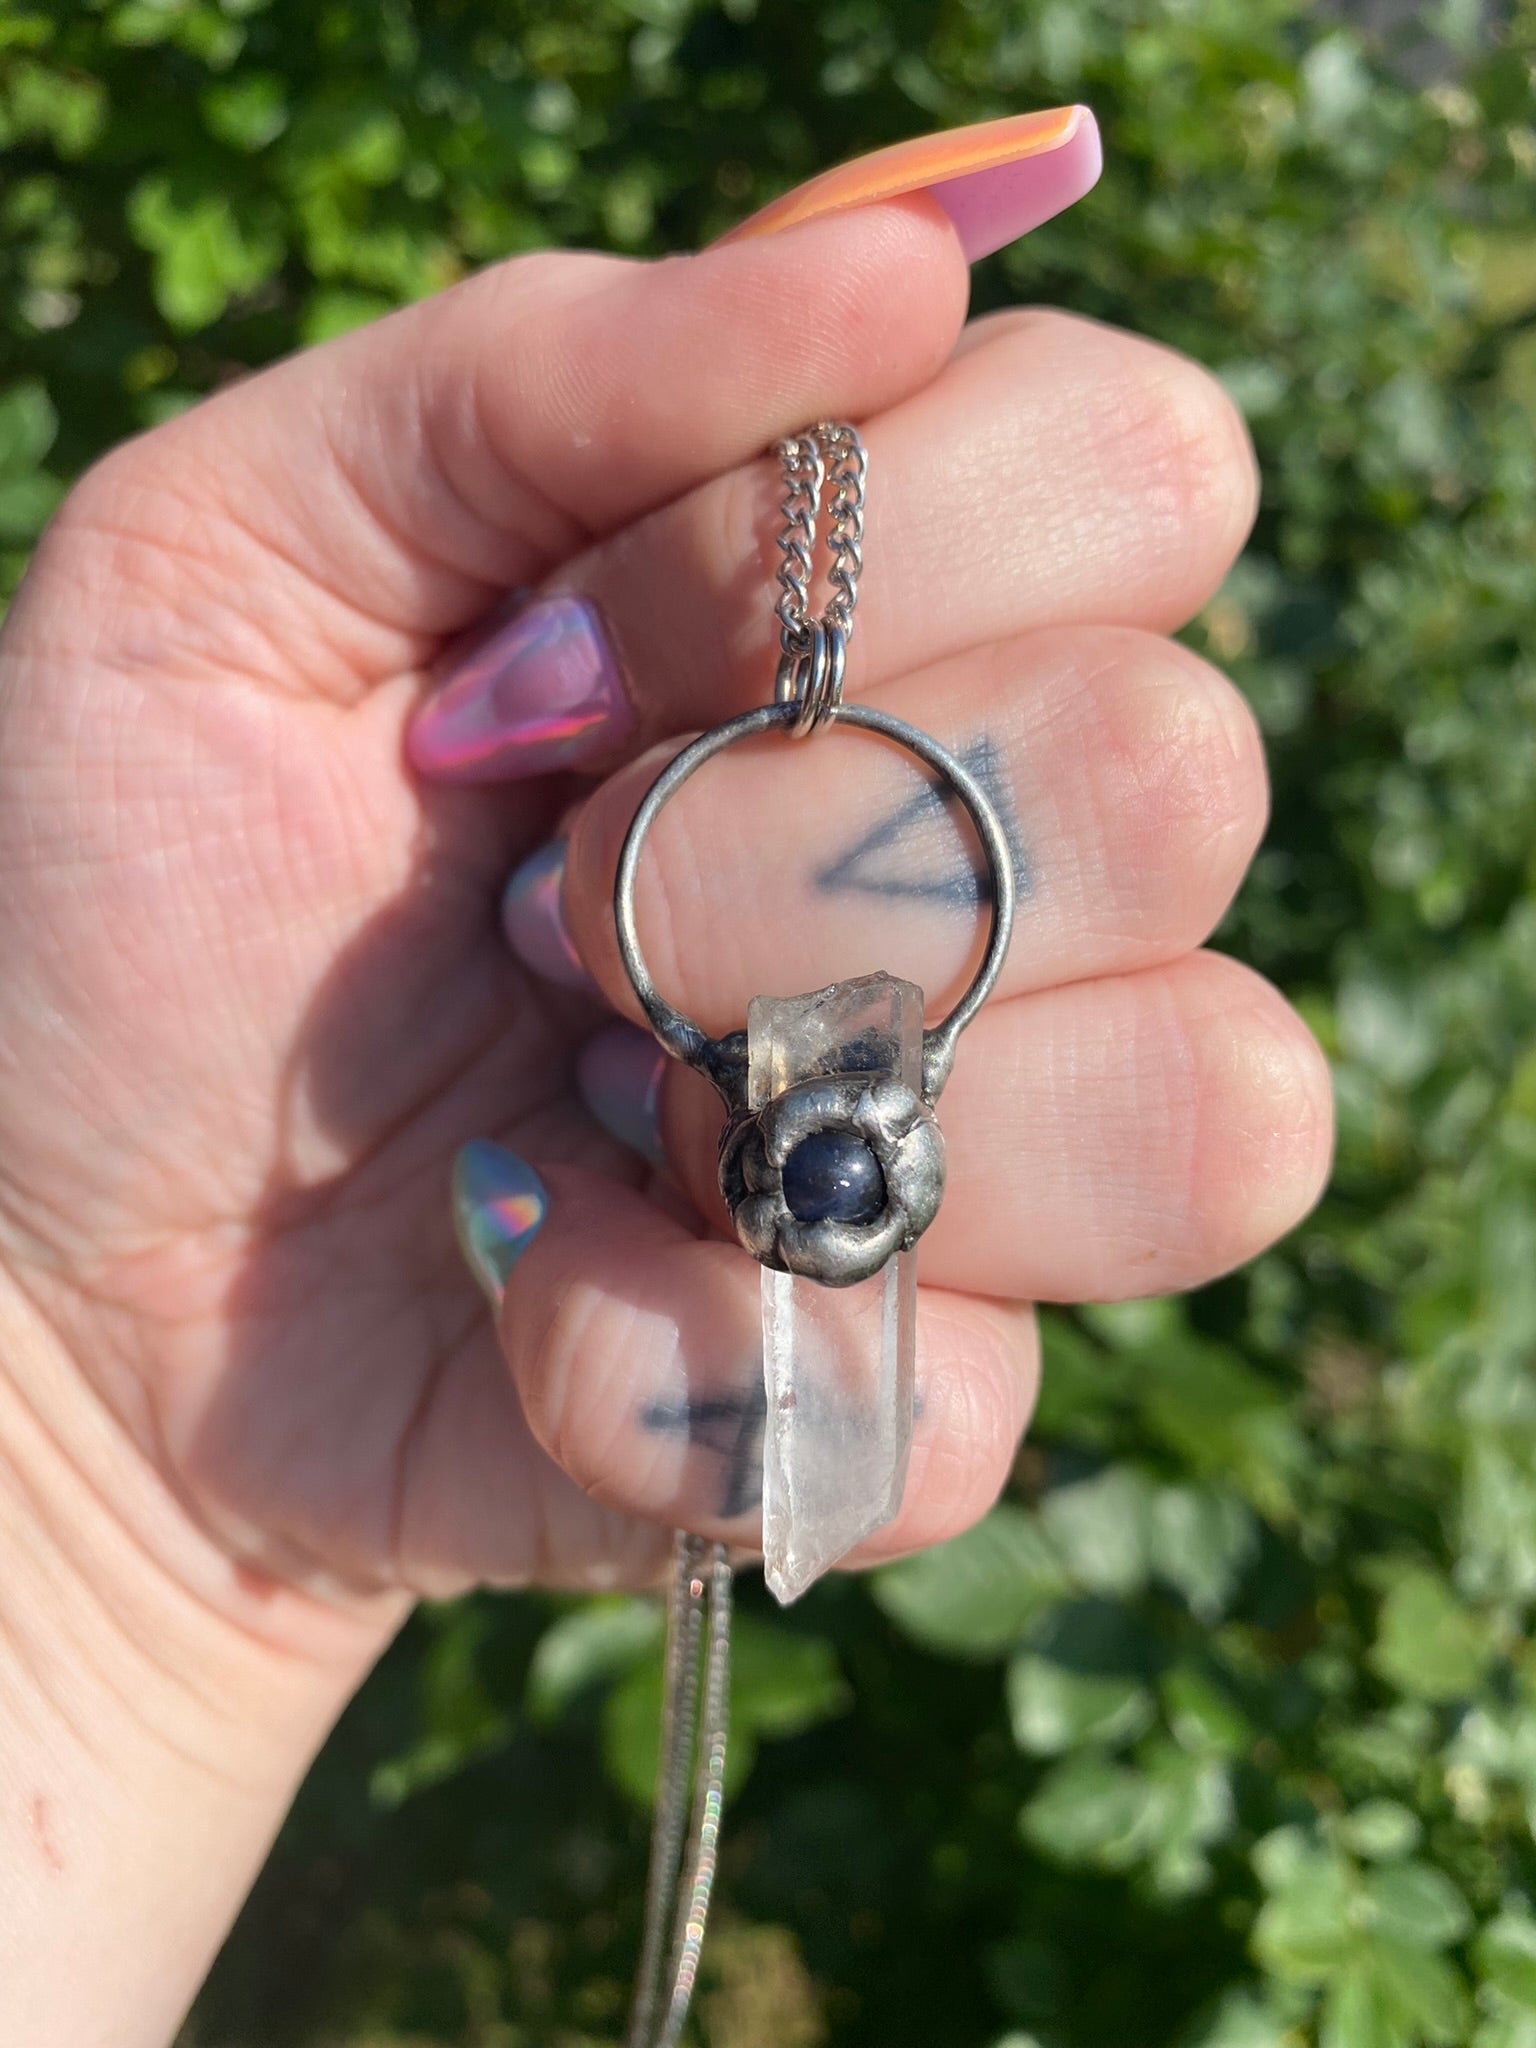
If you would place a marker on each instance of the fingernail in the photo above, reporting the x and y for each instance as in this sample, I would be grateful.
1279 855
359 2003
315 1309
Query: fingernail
542 689
996 180
499 1206
534 921
618 1076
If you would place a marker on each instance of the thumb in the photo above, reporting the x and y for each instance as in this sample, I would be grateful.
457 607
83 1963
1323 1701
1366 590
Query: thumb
351 505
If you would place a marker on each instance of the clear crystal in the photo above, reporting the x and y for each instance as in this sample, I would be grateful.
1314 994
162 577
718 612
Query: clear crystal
837 1361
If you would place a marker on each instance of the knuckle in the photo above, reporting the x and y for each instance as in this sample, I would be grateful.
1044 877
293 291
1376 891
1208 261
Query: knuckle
976 1401
1170 425
1169 761
1186 770
1265 1118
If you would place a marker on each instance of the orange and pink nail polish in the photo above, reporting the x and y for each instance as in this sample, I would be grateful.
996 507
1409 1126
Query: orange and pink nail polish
996 180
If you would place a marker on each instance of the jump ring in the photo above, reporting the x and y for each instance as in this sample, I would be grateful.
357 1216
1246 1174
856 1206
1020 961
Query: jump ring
811 677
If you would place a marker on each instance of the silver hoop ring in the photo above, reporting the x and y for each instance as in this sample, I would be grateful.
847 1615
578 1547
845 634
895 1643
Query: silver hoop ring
723 1060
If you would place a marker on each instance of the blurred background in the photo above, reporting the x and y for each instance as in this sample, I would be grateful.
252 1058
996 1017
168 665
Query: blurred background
1221 1732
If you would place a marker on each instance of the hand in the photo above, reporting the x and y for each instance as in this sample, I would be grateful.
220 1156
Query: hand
255 995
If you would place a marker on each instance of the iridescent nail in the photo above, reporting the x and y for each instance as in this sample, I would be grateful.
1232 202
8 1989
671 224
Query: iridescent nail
540 690
996 180
618 1076
499 1206
533 919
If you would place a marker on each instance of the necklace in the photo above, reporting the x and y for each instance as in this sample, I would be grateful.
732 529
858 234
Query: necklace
831 1166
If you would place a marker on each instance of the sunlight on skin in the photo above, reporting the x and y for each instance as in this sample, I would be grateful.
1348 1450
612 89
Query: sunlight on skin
256 996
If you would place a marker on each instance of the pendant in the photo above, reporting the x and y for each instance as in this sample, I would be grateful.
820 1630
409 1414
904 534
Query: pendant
831 1167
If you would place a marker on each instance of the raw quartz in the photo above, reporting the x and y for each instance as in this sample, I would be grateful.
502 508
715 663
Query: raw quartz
837 1361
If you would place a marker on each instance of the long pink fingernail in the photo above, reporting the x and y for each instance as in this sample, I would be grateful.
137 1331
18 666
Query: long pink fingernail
618 1076
534 920
996 180
542 689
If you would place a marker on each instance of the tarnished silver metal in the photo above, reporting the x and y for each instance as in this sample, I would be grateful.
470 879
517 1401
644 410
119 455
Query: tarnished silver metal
858 1095
808 693
835 1254
723 1060
899 1128
812 650
690 1790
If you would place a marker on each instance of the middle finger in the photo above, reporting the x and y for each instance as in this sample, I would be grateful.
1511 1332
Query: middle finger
1128 773
1056 471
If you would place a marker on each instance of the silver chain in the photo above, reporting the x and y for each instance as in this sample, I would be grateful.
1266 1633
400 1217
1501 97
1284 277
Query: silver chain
813 647
690 1790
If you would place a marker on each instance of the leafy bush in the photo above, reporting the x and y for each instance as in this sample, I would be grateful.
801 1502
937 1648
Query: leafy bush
1222 1730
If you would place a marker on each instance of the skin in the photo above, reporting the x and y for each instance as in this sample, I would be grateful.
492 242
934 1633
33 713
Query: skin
254 994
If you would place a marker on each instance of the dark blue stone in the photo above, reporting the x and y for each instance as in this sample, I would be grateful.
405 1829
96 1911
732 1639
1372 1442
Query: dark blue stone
832 1176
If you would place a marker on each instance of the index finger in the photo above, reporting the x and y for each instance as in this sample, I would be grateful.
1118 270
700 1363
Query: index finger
380 490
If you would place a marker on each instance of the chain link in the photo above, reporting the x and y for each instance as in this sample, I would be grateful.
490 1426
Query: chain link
826 457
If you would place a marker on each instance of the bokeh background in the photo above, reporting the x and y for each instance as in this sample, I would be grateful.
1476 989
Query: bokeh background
1222 1729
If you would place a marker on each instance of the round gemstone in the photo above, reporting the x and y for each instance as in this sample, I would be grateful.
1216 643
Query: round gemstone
833 1176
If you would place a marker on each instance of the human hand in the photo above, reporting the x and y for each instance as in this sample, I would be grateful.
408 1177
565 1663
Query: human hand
256 997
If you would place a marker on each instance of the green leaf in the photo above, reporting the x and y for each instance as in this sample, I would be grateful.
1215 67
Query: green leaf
27 503
460 1719
1359 2012
1505 1956
330 313
782 1683
1202 1538
1201 1717
1305 1933
1509 2027
1226 1421
1101 1529
590 1644
1381 1830
1428 1643
1089 1810
1245 2020
1053 1709
975 1596
1165 1815
1191 1810
1416 1903
1422 1990
28 424
247 112
205 254
631 1733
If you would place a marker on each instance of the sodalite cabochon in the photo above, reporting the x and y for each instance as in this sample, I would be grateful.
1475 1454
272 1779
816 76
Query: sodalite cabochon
834 1175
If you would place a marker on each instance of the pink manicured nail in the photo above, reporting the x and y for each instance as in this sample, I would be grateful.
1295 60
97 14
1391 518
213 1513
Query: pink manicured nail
534 921
618 1076
996 180
542 689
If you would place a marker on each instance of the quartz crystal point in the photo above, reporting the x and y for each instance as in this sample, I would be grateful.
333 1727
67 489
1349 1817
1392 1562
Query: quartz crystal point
837 1361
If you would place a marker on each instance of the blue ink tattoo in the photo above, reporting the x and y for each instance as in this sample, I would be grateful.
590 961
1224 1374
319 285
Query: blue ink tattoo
731 1425
866 867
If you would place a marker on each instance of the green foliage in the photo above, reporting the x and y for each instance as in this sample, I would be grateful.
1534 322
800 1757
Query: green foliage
1222 1732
